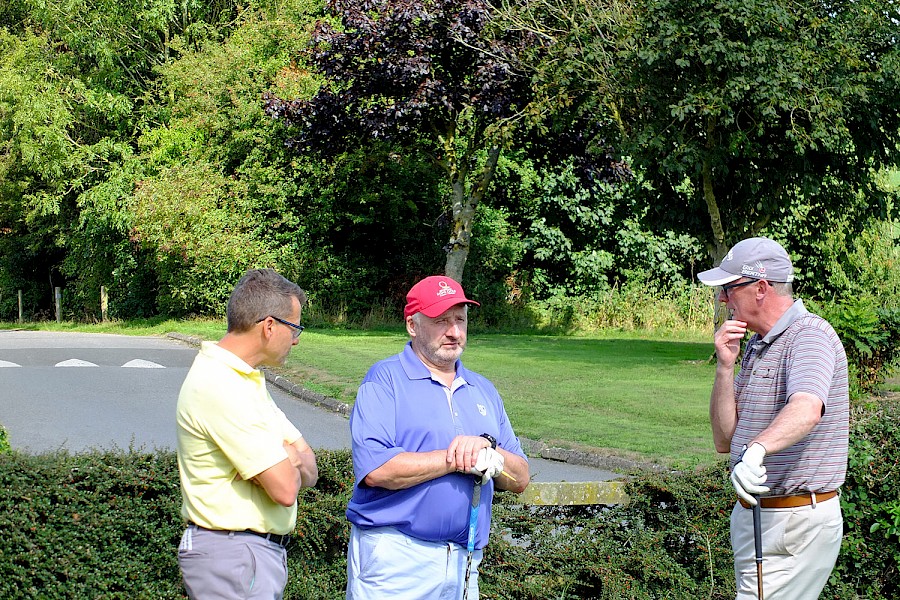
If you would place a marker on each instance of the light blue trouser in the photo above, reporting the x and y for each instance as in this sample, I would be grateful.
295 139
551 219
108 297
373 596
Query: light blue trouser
228 565
799 549
383 563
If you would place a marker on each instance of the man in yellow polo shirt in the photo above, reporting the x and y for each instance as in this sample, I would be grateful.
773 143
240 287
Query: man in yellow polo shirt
241 462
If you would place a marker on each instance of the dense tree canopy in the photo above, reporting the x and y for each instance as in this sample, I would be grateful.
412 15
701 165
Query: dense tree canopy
741 112
136 152
436 75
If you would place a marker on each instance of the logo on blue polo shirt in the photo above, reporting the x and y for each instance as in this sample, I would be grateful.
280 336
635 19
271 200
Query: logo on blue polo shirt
482 409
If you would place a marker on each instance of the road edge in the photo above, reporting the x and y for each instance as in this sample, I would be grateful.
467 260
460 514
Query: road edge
531 447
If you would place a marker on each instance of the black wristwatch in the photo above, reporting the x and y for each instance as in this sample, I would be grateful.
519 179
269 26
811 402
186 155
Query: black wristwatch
491 439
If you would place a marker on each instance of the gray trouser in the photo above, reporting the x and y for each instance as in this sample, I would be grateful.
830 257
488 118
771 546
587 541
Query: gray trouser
228 564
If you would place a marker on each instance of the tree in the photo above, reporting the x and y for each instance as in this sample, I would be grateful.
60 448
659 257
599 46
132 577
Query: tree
39 162
738 113
437 76
73 78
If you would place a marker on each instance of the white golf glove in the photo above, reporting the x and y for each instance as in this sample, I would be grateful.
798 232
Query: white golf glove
488 465
749 475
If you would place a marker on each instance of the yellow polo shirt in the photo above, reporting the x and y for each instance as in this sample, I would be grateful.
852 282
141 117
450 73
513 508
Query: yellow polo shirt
228 424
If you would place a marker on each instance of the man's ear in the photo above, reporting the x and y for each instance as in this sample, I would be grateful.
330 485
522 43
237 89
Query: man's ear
410 326
267 328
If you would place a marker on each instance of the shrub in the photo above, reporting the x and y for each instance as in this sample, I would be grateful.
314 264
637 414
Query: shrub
107 524
670 541
638 304
101 524
870 554
317 559
870 334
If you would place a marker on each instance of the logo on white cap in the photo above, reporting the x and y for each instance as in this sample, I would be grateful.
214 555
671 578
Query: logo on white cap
757 270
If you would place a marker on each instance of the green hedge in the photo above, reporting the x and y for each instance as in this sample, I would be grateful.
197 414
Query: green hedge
106 525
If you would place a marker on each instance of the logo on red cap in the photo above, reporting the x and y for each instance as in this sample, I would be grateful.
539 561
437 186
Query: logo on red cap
445 289
434 295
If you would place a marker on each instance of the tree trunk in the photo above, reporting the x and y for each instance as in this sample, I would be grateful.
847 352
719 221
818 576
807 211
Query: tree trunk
718 248
464 206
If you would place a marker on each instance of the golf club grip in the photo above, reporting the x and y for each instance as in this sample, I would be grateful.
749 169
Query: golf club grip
757 530
757 542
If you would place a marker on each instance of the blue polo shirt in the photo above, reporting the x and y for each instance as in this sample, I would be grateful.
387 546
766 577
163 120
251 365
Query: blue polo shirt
401 408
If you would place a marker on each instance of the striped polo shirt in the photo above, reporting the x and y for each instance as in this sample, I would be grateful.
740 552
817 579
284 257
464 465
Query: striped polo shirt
802 353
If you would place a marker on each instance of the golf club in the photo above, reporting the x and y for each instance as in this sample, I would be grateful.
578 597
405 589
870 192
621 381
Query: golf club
757 541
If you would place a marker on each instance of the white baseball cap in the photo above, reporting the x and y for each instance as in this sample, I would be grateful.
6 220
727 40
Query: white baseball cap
759 258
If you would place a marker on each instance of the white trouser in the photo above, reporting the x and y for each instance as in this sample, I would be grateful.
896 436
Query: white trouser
799 549
383 563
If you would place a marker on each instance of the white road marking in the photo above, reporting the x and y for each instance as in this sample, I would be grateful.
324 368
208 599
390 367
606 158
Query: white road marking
6 363
142 364
75 362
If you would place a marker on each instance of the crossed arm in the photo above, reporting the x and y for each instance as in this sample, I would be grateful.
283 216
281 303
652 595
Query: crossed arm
412 468
282 481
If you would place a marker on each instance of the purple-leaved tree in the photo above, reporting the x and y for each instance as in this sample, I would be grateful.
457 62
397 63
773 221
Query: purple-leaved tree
438 76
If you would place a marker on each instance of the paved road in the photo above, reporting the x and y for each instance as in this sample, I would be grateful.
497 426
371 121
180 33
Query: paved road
77 391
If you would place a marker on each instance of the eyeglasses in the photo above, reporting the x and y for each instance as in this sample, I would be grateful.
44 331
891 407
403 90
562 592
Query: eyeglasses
727 288
297 329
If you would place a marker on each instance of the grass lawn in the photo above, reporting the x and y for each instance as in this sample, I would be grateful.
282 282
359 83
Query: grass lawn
641 396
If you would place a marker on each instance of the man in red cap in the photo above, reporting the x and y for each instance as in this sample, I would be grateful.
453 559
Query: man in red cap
421 427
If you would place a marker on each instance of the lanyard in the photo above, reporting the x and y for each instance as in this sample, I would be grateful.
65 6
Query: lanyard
473 526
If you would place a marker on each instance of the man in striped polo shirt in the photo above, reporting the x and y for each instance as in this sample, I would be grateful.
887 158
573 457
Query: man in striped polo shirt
785 420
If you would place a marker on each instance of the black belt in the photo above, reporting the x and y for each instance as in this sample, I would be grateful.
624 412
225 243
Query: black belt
281 540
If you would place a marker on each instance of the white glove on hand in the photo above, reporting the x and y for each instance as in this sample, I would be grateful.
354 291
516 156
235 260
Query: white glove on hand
749 475
488 465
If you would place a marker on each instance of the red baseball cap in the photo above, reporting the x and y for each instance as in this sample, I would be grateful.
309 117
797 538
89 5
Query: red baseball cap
434 295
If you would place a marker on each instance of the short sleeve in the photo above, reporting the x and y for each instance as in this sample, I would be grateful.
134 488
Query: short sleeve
373 429
811 364
249 434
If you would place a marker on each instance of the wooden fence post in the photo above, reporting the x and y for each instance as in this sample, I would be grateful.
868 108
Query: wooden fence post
20 307
58 296
104 303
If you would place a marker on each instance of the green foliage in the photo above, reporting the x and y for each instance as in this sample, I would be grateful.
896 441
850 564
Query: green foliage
582 225
640 302
870 334
205 195
38 160
4 440
734 111
863 264
107 524
117 44
97 524
317 559
135 154
361 239
670 541
199 227
869 562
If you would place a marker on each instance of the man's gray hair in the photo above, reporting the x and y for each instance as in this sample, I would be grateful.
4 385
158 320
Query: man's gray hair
259 294
782 288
